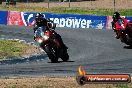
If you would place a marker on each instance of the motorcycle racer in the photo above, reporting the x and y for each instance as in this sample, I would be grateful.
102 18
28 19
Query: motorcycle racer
43 22
40 21
116 17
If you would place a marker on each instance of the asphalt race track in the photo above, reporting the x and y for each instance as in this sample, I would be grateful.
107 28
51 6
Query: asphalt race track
97 51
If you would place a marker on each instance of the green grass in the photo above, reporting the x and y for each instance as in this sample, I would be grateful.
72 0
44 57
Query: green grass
121 85
11 48
14 86
40 86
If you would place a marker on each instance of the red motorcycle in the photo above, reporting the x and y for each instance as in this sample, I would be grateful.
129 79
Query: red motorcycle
124 31
51 45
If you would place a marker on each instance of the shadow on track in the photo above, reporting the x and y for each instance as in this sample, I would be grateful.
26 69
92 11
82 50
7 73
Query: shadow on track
25 60
62 61
127 47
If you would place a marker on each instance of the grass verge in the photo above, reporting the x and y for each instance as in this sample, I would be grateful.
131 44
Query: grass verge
14 48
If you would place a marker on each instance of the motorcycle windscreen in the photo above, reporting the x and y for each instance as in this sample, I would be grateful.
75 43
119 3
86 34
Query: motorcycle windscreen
120 22
40 31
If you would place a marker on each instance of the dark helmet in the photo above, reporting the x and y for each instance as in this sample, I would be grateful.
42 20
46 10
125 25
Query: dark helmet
116 15
39 17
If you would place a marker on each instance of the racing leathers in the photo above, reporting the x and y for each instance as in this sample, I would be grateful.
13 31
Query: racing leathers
45 23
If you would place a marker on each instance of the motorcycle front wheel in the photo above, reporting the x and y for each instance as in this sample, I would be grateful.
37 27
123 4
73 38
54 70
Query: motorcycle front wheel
51 54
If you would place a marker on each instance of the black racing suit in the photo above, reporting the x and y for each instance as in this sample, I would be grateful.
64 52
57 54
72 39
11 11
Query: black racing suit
44 22
114 27
113 24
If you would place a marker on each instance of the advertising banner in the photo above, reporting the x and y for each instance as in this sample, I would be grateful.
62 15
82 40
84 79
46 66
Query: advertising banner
28 18
108 24
3 17
78 21
14 18
62 20
21 18
129 18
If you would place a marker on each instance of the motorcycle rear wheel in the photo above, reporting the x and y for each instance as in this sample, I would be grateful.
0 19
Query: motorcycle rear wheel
65 57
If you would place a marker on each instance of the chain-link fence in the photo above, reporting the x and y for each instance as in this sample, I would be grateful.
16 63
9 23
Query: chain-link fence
122 5
90 4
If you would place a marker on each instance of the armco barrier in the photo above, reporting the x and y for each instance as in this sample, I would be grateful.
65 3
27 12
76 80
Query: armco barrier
62 20
3 17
